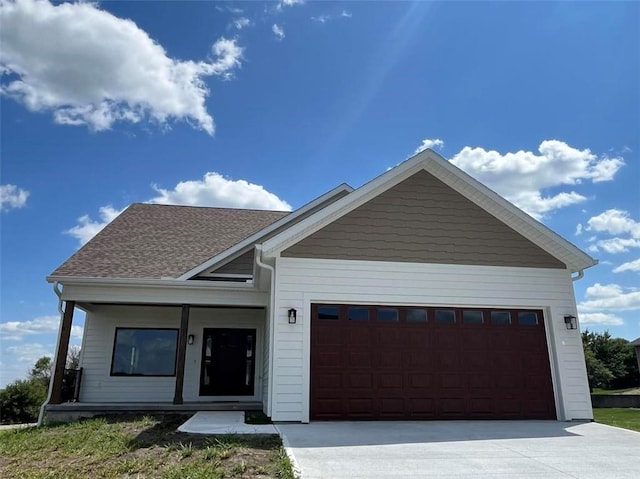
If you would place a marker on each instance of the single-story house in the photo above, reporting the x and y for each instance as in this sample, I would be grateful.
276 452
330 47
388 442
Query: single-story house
422 294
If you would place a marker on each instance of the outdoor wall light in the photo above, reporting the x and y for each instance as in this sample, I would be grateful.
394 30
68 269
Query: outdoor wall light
191 339
570 322
292 316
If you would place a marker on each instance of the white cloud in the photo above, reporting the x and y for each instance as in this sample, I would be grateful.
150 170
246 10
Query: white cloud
288 3
523 176
89 67
321 18
614 222
12 197
88 228
345 14
629 266
429 143
240 23
30 352
615 245
278 31
216 190
213 190
612 297
601 318
578 230
17 330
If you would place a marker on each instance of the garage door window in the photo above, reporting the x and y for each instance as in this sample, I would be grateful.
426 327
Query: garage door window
527 318
329 312
501 317
445 316
358 314
388 314
470 316
416 316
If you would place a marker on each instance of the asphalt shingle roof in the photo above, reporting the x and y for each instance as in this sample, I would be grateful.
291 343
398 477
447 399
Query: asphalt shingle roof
160 241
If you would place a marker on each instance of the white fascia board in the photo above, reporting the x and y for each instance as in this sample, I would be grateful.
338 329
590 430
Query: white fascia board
157 292
433 163
248 243
156 283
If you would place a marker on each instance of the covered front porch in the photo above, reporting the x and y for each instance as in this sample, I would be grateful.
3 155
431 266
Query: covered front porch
160 353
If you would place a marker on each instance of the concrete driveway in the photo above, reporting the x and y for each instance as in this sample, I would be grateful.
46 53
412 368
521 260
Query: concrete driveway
463 449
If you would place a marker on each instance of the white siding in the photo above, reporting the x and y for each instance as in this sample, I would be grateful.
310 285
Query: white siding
98 385
99 331
301 282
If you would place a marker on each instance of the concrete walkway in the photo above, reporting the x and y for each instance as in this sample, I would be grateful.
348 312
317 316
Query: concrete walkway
223 422
463 449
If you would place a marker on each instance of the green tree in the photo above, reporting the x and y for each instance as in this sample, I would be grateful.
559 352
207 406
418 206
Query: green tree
611 362
20 401
41 370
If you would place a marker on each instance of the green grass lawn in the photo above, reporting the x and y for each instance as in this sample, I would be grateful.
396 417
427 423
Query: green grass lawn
628 418
138 447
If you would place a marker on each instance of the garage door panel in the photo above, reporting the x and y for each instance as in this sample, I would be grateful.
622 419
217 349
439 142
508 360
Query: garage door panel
420 381
328 337
474 338
481 405
330 359
389 360
452 407
389 381
359 381
359 359
417 360
329 381
391 405
444 340
413 367
361 406
478 381
357 335
475 361
448 360
451 381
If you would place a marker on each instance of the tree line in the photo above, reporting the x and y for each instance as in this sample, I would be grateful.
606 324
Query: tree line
611 362
20 400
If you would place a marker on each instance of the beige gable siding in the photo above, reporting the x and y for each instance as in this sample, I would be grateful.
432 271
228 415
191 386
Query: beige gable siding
422 220
243 264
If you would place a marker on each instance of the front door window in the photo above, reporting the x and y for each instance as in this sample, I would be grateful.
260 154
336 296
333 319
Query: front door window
228 362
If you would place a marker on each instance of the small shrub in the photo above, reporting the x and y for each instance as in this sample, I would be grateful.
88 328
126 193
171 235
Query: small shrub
20 401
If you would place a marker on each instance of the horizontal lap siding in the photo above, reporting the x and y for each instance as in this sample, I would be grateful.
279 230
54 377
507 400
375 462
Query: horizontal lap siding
99 387
97 384
422 220
302 281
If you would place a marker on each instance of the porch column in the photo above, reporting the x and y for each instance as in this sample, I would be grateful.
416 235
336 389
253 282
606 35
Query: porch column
182 350
63 348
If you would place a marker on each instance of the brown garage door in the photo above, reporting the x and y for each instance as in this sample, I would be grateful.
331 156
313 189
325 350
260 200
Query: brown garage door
385 362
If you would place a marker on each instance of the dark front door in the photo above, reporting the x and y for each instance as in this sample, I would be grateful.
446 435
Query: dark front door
228 362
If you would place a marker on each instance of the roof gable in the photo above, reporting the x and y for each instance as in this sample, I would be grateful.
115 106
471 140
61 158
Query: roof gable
462 183
422 220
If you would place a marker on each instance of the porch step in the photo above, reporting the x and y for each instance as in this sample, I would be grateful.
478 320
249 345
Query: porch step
73 410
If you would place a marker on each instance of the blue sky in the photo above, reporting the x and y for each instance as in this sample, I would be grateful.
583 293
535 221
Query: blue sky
269 105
